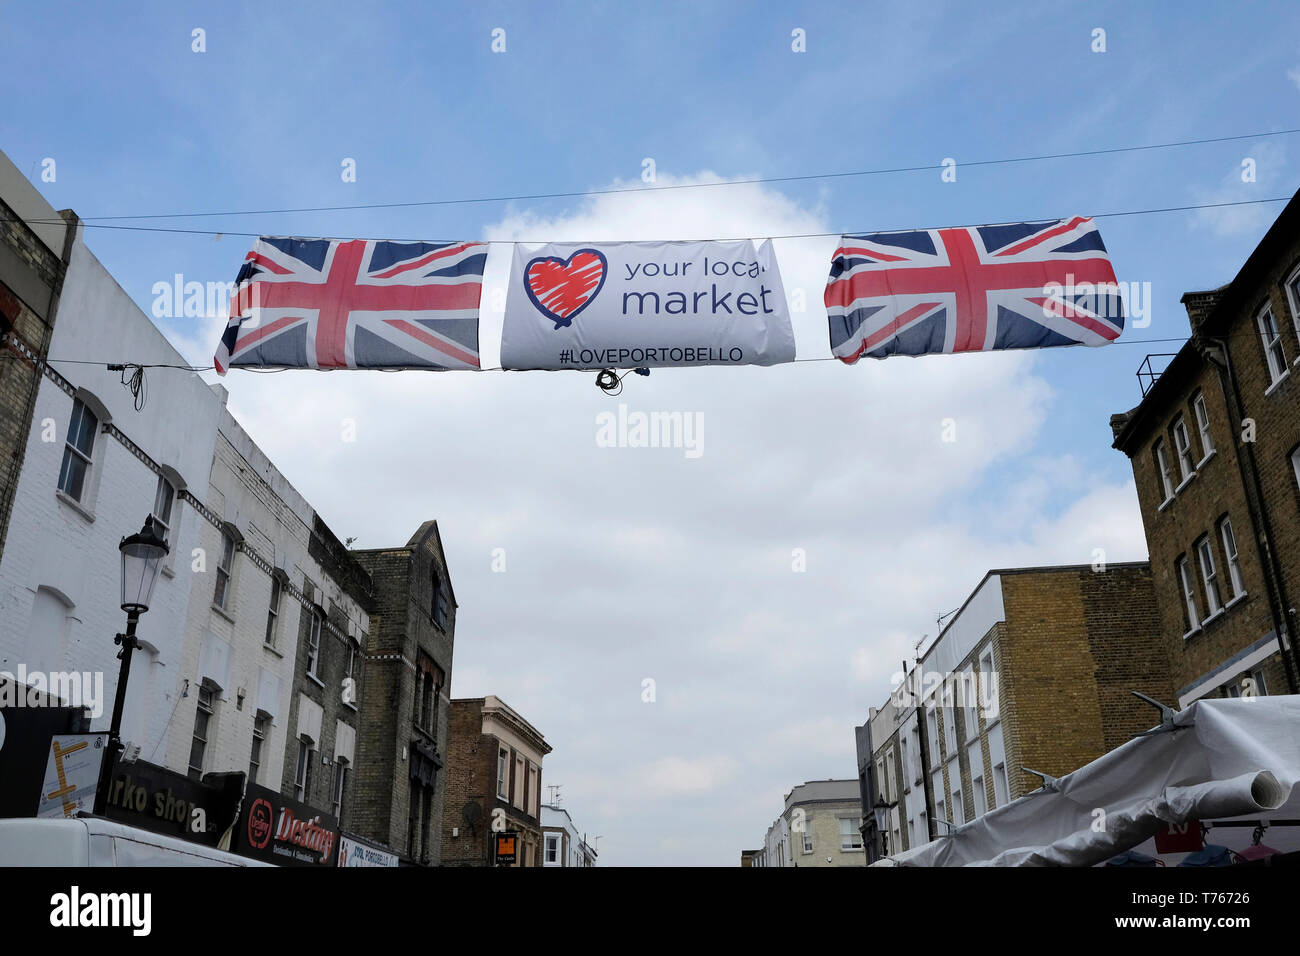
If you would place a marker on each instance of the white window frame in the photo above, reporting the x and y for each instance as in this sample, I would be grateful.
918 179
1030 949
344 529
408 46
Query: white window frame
313 643
86 456
225 572
1001 791
932 724
1229 540
807 834
1162 466
890 773
255 750
1202 414
551 849
273 612
163 525
1270 334
205 705
958 808
302 769
971 704
854 834
1189 594
1209 575
503 774
1183 448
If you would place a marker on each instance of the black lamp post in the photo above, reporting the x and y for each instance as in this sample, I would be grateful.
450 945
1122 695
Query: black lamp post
142 557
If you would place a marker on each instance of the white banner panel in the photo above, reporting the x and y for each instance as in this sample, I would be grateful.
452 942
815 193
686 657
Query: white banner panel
651 304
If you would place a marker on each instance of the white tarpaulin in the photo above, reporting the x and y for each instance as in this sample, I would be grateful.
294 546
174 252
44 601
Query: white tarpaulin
1226 758
651 304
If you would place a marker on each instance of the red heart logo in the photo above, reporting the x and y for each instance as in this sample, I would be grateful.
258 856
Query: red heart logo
561 288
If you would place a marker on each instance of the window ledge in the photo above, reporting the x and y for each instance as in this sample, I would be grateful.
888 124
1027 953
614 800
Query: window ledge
270 648
1185 483
1192 633
1201 464
349 705
1277 381
223 613
75 505
1165 504
315 680
1213 617
1240 597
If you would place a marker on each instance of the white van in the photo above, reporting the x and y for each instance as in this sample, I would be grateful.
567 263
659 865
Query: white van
94 841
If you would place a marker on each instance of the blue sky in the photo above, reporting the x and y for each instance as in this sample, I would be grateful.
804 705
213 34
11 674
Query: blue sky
138 123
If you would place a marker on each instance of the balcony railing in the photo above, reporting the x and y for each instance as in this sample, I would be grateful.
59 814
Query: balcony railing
1152 367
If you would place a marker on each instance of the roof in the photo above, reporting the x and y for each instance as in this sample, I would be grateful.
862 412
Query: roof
824 791
1211 313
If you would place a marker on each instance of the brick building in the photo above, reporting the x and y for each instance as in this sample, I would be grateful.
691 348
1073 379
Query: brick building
820 825
324 708
494 772
33 260
562 844
404 705
1035 670
1215 450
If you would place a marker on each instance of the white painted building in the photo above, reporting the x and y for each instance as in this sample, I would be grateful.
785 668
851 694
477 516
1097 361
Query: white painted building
236 674
95 467
562 844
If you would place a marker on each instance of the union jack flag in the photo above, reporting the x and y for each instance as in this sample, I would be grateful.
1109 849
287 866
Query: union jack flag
1017 286
359 303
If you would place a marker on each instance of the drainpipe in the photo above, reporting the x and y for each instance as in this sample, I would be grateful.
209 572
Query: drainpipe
1279 605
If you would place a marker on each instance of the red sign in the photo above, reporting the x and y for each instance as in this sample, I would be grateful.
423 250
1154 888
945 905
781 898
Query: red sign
259 823
1180 838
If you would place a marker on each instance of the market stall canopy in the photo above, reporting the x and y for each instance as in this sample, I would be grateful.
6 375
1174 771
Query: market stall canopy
1222 758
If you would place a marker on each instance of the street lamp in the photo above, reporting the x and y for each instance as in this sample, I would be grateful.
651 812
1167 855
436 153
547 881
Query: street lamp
142 557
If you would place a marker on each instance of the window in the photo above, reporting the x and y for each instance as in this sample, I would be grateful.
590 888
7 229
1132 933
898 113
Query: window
977 791
905 752
1000 792
1209 576
1272 340
273 611
222 595
950 728
939 812
970 703
932 731
202 727
552 848
957 808
162 508
851 835
1295 465
520 797
807 834
78 451
261 727
889 772
340 782
881 781
988 686
1162 465
302 775
1230 552
1189 595
503 770
313 642
1203 423
414 818
1183 444
914 752
350 673
438 609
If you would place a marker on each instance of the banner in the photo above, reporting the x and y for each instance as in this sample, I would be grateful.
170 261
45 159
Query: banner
1017 286
360 303
652 304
